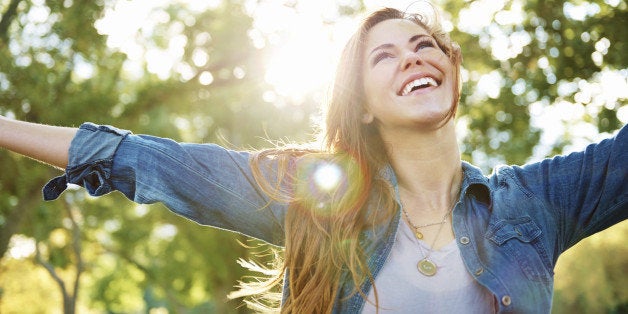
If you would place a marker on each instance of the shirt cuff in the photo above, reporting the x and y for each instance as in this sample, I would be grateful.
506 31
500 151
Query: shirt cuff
90 161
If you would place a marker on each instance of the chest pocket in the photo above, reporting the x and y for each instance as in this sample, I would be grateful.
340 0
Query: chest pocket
520 238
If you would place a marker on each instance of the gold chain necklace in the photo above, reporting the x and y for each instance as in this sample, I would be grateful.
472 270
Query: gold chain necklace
417 233
426 266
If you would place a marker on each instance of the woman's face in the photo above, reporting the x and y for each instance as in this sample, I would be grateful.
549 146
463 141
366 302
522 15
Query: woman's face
408 81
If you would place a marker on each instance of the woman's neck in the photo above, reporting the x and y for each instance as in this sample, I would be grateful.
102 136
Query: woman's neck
427 166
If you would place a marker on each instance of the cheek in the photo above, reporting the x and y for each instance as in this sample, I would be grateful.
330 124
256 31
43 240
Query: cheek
441 61
372 84
445 66
379 80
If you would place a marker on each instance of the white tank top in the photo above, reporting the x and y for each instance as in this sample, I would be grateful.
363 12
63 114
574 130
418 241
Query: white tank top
402 289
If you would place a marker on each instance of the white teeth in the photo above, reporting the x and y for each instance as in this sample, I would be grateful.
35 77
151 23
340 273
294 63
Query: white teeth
418 83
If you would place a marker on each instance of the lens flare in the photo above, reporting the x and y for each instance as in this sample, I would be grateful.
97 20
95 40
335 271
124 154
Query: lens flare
327 176
328 185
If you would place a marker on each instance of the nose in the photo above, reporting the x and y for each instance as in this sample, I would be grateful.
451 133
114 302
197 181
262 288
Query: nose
410 59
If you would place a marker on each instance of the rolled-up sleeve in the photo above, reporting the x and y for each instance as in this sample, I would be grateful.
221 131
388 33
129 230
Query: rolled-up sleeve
203 182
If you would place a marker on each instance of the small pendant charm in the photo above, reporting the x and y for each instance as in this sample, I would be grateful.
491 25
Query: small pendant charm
426 267
418 234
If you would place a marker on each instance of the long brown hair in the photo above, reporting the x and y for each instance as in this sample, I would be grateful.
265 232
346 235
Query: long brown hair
323 227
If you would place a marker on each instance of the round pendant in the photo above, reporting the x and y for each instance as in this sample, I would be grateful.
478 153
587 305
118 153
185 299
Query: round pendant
426 267
418 234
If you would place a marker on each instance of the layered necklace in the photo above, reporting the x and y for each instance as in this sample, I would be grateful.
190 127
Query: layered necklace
426 266
416 229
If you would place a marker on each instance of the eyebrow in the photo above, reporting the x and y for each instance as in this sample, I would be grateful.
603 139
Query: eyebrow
389 45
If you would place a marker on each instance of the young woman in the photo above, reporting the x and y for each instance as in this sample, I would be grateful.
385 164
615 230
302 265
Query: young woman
409 227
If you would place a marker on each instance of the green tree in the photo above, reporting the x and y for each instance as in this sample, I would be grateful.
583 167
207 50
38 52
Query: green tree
545 54
57 69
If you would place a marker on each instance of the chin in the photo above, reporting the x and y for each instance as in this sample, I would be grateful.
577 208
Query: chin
434 121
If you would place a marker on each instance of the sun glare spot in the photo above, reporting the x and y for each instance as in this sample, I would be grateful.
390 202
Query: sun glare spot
165 232
327 176
205 78
300 67
302 56
21 246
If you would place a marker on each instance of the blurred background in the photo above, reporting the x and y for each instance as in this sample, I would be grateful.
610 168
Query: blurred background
540 78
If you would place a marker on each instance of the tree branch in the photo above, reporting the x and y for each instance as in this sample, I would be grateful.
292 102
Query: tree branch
7 18
78 251
69 299
51 270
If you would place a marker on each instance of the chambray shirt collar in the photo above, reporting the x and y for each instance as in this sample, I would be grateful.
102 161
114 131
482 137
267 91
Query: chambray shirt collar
474 182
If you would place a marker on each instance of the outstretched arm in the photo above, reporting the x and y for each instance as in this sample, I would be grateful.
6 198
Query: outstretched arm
48 144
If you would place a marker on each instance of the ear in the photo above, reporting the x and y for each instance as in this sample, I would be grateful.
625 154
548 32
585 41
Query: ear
367 118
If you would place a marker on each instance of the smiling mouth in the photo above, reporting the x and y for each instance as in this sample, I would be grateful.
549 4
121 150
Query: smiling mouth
419 83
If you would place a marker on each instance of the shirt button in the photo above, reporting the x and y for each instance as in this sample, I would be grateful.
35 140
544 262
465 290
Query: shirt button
479 271
506 300
464 240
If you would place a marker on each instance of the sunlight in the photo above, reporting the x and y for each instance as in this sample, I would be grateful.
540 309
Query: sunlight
298 69
312 35
165 232
581 11
305 39
21 247
468 16
605 90
125 22
303 48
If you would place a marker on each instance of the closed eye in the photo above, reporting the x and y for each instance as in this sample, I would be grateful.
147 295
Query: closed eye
381 56
425 43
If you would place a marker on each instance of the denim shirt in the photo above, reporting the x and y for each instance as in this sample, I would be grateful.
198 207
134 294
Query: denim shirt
510 226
